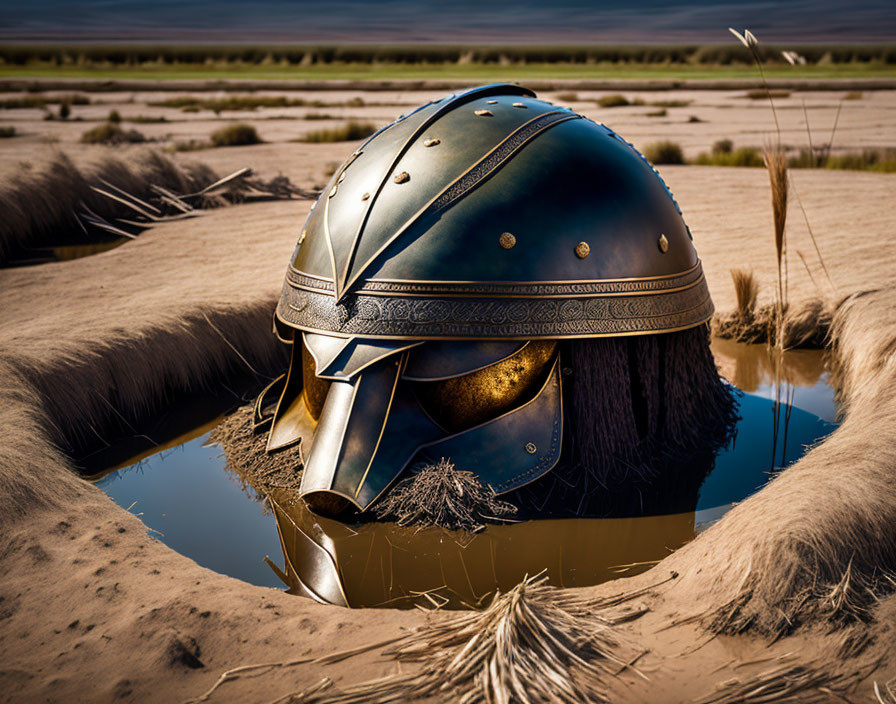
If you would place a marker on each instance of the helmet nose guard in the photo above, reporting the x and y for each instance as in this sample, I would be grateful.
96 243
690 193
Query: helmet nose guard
373 425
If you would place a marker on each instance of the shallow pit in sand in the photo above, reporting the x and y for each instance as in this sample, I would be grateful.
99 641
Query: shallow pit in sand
187 497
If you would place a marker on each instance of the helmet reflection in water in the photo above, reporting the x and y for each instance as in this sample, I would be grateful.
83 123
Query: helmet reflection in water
506 284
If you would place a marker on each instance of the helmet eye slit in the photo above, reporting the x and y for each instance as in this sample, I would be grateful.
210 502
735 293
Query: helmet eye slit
463 402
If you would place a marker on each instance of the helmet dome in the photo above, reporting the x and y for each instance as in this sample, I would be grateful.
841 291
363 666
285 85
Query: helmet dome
493 214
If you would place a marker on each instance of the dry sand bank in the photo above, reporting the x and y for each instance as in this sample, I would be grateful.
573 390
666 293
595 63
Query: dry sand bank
94 609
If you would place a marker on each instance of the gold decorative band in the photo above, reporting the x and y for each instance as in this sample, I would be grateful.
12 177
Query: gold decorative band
669 305
505 289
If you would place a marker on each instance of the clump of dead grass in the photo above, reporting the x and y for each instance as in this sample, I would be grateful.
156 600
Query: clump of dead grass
64 204
762 94
785 682
746 290
349 132
235 135
664 152
805 325
442 495
111 133
616 101
533 644
246 455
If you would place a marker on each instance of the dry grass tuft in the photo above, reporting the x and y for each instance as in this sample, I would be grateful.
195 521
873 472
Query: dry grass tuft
616 101
885 693
797 684
111 133
65 205
441 495
746 289
804 326
534 644
349 132
763 94
246 455
664 152
236 135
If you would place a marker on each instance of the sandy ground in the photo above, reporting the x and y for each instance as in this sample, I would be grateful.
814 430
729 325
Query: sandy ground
869 121
94 609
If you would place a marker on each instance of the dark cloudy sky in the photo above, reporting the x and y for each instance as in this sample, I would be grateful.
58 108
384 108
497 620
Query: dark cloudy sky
448 21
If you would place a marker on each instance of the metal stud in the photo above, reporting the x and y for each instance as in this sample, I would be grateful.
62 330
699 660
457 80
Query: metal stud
491 102
333 190
507 240
582 250
530 448
302 236
403 177
341 177
483 113
432 142
520 105
663 244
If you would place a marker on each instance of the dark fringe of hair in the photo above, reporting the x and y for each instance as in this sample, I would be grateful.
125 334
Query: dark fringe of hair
645 417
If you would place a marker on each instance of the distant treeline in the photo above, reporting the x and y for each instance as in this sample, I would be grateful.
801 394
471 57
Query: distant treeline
715 54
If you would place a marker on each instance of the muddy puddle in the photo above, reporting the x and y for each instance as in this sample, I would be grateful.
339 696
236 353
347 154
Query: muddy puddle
187 498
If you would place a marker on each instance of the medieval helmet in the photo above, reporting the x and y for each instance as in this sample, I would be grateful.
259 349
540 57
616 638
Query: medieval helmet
439 277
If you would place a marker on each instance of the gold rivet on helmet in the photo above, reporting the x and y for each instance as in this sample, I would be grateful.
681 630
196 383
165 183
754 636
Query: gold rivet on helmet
432 142
341 177
483 113
403 177
582 250
302 236
507 240
520 105
492 102
663 244
333 190
366 196
530 448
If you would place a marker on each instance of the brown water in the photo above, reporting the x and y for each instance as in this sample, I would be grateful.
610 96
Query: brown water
207 513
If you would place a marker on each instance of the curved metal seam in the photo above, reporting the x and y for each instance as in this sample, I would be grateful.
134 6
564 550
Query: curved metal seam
468 371
317 362
458 101
328 283
500 295
403 348
376 448
513 143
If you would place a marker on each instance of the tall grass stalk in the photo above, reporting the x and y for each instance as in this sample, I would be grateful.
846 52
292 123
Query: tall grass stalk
749 40
776 165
